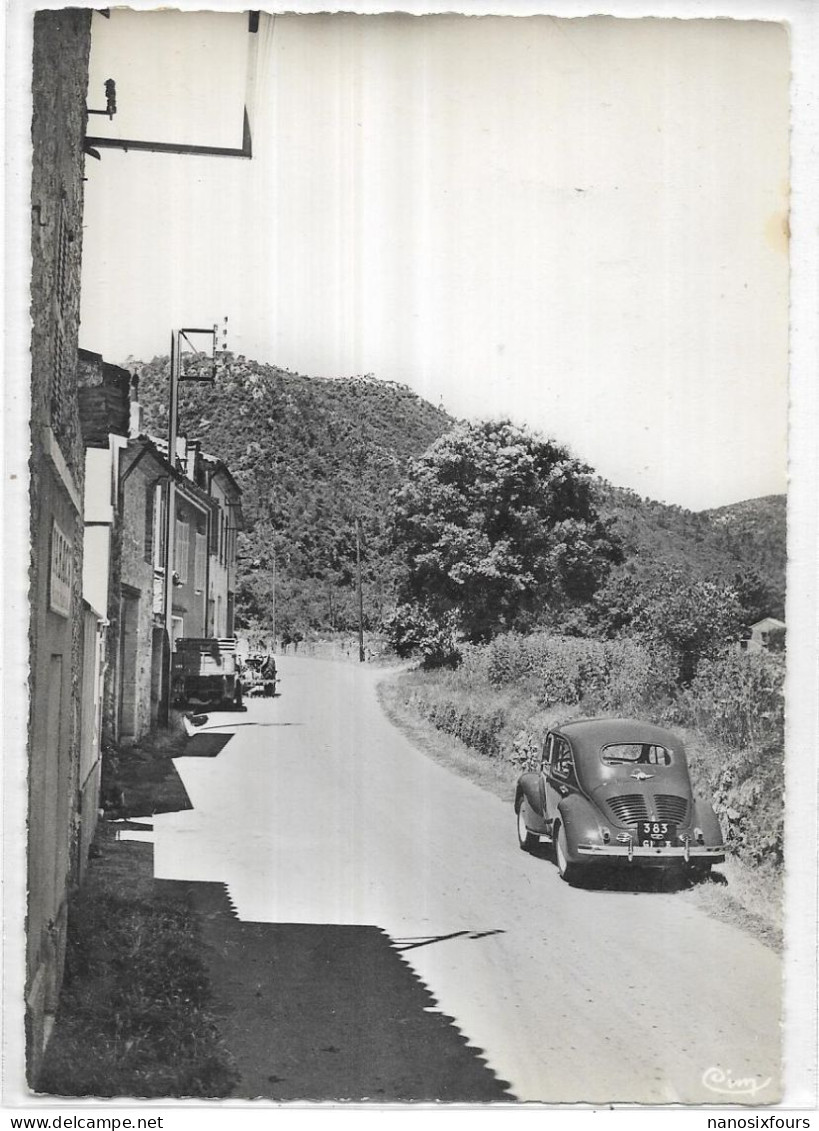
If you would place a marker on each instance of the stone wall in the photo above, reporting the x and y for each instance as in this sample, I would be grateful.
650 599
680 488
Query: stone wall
60 78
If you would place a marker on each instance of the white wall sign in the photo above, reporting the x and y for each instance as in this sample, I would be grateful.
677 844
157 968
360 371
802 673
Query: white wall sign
62 564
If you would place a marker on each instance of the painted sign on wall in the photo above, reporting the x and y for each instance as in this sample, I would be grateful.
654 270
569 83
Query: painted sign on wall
62 564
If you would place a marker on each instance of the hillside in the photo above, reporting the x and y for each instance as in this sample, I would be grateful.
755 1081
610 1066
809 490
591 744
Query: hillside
312 454
756 530
748 538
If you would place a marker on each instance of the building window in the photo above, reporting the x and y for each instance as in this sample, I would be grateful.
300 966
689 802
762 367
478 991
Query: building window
64 238
182 550
148 546
61 374
199 560
60 379
159 527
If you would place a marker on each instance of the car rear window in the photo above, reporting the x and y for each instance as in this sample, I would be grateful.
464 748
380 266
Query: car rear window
636 753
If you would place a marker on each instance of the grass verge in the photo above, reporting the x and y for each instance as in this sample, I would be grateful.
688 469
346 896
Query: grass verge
746 897
134 1018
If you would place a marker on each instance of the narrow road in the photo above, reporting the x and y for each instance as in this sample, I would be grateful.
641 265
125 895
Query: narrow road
318 811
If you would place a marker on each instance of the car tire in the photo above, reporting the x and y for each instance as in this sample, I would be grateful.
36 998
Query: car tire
525 839
567 870
700 871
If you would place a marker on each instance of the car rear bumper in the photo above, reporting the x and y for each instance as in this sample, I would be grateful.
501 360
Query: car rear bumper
714 854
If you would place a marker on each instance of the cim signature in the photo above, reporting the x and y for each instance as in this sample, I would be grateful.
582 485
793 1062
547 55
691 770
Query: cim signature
720 1080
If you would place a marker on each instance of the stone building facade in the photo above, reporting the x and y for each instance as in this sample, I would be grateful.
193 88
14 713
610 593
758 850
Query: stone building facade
225 492
59 620
137 685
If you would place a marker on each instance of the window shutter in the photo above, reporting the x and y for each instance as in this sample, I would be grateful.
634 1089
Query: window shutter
182 550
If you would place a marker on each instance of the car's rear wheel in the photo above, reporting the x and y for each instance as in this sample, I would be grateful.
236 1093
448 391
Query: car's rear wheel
567 870
525 839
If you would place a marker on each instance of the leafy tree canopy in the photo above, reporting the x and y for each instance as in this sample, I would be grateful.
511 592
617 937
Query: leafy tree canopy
689 619
499 525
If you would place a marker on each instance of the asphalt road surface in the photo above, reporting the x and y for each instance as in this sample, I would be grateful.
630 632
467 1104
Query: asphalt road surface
318 811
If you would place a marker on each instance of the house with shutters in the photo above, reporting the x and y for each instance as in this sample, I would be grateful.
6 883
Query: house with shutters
127 475
226 495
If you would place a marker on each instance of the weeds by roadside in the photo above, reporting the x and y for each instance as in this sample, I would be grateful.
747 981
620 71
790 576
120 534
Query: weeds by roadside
134 1018
138 781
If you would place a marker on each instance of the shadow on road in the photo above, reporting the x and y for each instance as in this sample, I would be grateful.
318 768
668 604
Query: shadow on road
637 880
606 878
427 940
326 1012
205 745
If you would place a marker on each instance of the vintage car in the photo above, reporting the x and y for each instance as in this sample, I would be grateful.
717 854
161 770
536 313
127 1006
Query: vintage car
259 675
616 792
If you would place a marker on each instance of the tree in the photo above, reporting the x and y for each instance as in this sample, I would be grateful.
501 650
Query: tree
498 526
690 619
758 597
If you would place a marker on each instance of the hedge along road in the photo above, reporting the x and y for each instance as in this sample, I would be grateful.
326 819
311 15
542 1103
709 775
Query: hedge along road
317 810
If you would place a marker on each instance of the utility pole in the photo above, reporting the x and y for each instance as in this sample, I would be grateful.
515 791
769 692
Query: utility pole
274 599
360 592
170 501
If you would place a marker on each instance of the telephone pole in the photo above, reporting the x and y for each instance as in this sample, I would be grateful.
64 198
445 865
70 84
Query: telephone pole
177 338
360 592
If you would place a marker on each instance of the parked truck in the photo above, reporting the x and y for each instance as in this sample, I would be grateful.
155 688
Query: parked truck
205 672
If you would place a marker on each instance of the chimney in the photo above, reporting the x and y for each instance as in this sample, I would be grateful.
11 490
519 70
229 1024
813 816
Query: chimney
190 459
136 422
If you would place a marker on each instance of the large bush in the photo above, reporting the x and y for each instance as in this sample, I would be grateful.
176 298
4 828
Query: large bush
497 524
736 699
413 631
604 675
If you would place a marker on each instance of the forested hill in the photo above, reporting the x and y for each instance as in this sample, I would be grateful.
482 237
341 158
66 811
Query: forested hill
312 454
756 529
748 538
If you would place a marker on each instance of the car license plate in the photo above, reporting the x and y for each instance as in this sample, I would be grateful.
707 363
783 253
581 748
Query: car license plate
656 834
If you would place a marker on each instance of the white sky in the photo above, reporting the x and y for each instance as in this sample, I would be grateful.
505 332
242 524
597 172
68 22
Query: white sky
577 223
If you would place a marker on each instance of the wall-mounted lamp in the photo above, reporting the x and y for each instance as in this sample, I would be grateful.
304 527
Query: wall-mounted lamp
110 100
